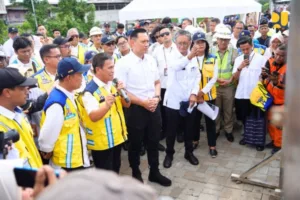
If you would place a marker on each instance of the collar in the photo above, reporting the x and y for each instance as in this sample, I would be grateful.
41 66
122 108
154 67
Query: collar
135 58
101 83
173 45
9 114
70 95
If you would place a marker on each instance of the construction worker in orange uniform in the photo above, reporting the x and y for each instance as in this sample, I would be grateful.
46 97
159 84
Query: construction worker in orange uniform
274 80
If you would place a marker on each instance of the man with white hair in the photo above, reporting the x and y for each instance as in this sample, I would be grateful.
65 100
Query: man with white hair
77 50
226 55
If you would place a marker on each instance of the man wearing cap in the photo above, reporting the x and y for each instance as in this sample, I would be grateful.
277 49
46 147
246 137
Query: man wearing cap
226 56
144 24
103 115
77 50
264 39
208 66
84 39
106 26
88 57
24 61
120 30
8 45
62 138
13 93
63 45
109 46
96 36
51 56
3 59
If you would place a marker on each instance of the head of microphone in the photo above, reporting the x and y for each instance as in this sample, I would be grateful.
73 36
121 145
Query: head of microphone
9 137
122 91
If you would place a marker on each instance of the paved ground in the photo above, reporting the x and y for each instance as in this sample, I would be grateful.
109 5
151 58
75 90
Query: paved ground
210 180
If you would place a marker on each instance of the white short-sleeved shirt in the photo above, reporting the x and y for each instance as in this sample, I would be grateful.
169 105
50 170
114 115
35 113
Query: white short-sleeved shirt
8 48
138 75
164 57
249 75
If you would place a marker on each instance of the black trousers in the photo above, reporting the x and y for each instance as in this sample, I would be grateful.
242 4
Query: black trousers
163 114
243 109
109 159
210 127
173 123
140 123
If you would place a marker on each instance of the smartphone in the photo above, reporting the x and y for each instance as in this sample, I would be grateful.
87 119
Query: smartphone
267 70
25 177
246 57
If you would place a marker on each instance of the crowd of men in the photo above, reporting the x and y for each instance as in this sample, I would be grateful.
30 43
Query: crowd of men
76 100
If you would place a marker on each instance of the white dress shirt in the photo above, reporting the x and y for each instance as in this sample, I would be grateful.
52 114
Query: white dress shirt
74 51
164 57
8 48
199 61
249 75
233 41
138 75
52 126
153 47
89 101
183 80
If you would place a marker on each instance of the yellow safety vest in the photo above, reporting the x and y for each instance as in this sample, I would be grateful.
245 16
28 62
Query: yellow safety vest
93 48
207 73
67 152
25 145
109 131
81 51
44 80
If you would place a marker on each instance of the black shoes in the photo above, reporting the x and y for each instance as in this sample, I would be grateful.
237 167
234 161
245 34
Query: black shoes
242 142
180 138
157 177
137 175
260 148
275 149
191 158
168 161
270 145
229 137
161 147
213 153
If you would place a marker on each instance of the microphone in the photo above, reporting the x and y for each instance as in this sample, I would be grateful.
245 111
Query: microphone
122 91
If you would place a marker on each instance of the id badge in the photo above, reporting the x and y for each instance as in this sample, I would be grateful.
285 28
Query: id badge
166 72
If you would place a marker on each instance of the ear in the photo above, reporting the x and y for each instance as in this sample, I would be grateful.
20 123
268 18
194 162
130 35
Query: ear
131 42
6 93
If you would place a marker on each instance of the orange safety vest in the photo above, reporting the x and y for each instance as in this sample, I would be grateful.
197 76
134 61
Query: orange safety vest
277 91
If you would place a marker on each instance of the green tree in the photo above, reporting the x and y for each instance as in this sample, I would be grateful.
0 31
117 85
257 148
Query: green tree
3 32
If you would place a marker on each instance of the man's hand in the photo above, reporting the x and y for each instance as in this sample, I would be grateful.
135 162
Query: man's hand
200 97
45 173
245 63
120 86
46 156
193 52
274 79
193 100
225 82
110 100
151 104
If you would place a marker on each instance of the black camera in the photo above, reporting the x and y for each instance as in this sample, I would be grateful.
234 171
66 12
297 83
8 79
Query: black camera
7 138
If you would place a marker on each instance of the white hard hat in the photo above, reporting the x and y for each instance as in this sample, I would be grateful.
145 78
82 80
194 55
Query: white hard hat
193 30
286 33
223 32
95 31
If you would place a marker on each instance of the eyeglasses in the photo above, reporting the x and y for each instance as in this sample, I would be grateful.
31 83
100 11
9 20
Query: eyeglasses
75 36
183 44
65 46
163 34
110 44
57 56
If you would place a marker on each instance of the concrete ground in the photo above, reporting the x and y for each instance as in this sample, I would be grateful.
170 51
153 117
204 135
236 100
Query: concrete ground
210 180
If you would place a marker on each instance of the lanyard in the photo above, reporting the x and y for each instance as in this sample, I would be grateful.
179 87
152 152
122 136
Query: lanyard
166 57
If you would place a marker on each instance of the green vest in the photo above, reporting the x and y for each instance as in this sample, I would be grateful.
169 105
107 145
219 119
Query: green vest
224 65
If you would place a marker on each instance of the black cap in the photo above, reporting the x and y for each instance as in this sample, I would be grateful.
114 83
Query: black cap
166 20
106 24
120 26
61 40
263 21
13 30
11 77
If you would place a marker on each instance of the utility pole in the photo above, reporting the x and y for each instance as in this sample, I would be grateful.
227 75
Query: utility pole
34 15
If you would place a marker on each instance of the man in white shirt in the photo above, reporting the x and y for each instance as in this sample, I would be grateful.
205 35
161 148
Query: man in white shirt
247 69
8 45
164 55
237 29
139 73
62 138
181 93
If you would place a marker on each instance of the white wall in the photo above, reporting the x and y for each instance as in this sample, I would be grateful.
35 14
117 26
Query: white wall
106 15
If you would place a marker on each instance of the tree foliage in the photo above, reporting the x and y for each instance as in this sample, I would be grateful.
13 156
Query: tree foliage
67 14
3 32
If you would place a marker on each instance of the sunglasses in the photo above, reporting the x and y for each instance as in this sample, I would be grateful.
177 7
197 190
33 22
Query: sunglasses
110 44
163 34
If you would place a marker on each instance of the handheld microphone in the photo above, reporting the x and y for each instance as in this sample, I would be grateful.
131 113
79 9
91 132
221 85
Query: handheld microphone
122 91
